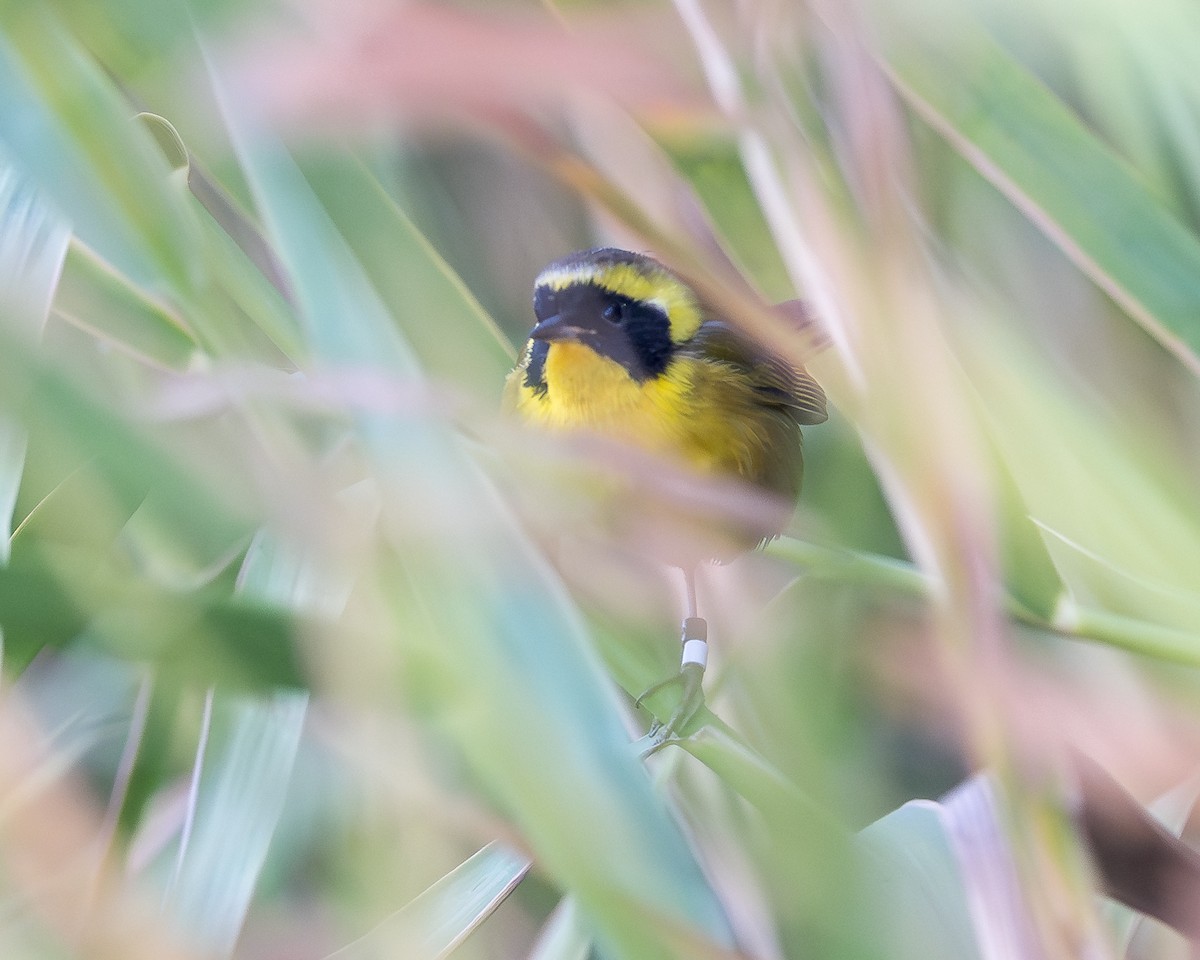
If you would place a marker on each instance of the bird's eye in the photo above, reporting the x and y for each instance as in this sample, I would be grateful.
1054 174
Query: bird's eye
614 312
543 302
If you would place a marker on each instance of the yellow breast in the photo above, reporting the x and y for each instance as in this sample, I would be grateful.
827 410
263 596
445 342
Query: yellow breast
588 391
671 415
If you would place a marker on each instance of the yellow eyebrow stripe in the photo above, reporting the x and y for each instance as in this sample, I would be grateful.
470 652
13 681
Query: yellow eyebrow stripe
659 288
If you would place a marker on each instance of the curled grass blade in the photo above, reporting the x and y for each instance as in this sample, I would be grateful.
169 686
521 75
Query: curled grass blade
66 126
245 308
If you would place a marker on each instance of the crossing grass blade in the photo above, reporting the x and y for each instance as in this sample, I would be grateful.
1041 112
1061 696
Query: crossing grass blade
1117 527
522 698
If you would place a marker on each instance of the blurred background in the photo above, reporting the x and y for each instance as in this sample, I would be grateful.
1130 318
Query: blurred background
308 652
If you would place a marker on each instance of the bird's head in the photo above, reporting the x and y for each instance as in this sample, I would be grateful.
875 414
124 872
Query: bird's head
626 307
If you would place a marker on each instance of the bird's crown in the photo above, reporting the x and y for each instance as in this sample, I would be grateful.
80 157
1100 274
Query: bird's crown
634 276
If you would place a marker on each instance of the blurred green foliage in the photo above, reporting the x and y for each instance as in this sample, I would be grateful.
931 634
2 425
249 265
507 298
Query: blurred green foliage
314 656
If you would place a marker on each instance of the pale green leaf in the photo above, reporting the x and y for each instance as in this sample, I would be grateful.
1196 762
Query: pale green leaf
1031 147
919 882
1121 534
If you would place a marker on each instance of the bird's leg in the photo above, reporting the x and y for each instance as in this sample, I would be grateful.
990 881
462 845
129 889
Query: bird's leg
690 677
690 612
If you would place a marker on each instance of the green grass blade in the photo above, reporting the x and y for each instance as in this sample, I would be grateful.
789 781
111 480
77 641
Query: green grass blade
93 296
450 332
1137 635
243 313
564 936
70 575
442 917
215 200
33 242
129 459
51 600
242 791
749 774
1030 146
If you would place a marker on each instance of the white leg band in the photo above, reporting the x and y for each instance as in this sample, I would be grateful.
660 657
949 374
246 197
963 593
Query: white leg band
695 651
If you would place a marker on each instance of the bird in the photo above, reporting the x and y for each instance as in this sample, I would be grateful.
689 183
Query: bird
624 347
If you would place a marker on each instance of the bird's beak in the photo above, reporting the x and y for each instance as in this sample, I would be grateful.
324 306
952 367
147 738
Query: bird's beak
557 328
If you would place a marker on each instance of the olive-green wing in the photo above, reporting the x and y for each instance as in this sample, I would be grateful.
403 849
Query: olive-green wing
777 382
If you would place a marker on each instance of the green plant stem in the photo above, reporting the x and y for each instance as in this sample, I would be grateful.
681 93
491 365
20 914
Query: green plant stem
1071 620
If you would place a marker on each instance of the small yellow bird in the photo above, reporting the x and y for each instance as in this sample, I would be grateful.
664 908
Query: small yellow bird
624 347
